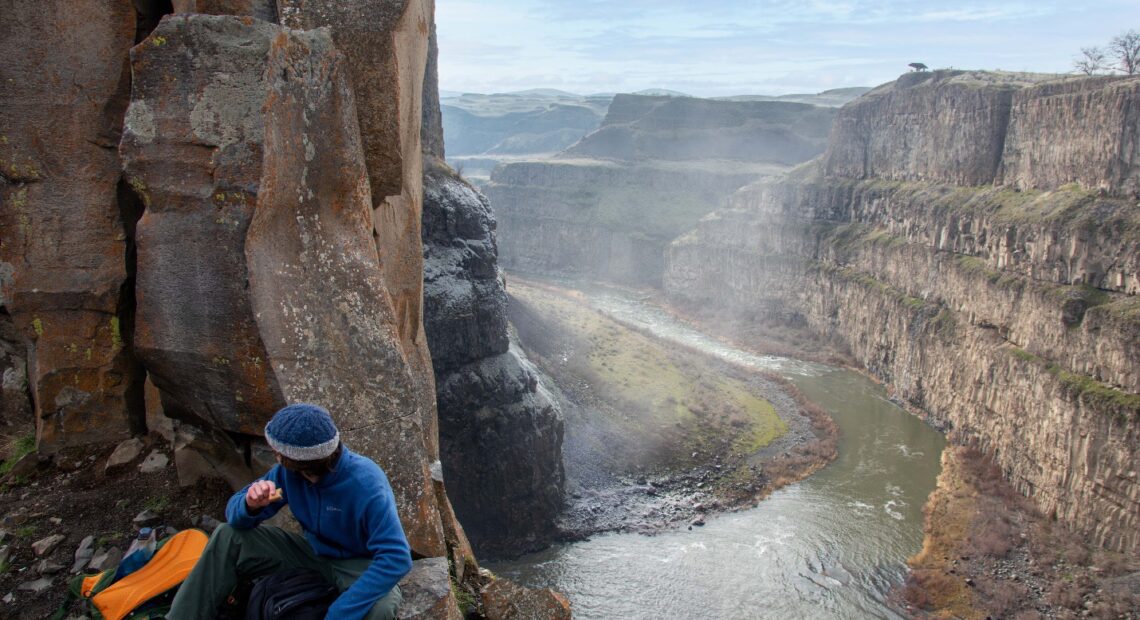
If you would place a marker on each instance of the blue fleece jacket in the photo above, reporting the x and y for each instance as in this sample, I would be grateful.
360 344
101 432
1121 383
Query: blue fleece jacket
349 513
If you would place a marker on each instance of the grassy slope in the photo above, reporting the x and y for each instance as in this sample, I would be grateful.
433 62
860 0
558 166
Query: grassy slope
673 406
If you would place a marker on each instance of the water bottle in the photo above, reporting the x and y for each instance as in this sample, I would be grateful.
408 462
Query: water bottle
147 539
138 554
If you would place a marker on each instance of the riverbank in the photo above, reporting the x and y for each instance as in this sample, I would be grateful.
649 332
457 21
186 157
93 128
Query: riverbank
659 435
988 552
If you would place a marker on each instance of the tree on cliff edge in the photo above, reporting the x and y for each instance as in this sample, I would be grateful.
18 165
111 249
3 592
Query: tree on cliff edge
1125 49
1091 61
1122 54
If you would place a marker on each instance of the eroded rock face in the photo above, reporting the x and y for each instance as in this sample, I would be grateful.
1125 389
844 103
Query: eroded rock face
261 9
505 600
192 149
287 301
315 279
1091 126
1010 316
386 44
63 230
1023 130
500 433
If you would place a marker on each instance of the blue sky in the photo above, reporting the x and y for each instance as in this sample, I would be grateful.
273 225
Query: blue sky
724 47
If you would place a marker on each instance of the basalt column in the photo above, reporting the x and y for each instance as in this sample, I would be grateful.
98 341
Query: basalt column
64 85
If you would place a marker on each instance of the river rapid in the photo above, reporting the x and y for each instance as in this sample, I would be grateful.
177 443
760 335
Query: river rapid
831 546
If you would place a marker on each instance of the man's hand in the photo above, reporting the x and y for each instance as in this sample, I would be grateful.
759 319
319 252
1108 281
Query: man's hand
260 494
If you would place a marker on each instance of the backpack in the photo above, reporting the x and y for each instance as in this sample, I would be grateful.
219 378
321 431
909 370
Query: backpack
295 593
147 591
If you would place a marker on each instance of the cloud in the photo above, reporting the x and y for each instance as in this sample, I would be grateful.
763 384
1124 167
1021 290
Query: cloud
718 47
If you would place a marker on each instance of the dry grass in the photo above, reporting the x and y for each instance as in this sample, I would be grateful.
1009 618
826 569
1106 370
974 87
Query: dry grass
986 544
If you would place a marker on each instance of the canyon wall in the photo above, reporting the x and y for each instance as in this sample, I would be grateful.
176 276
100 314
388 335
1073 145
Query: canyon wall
231 209
995 294
607 206
500 432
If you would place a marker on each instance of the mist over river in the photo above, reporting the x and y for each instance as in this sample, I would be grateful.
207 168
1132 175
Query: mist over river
831 546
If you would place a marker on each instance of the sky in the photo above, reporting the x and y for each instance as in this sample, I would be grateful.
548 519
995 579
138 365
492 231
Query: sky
712 48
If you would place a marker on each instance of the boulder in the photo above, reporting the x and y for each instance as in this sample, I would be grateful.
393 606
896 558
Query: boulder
505 600
198 456
45 546
124 453
64 227
104 559
37 586
83 554
154 462
427 592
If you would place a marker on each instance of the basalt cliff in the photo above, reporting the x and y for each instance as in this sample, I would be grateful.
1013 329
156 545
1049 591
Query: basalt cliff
974 240
211 209
500 432
607 206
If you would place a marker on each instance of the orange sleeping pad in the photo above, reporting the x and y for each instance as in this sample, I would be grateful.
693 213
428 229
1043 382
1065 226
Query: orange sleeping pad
171 563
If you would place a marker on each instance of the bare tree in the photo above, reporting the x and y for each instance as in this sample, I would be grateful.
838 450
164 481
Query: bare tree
1125 49
1091 61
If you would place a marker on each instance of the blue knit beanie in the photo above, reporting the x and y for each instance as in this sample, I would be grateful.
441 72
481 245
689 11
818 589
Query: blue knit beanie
302 432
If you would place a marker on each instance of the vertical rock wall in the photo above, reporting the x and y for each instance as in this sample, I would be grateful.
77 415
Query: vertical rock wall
257 161
1009 314
1094 136
500 432
386 44
192 150
64 85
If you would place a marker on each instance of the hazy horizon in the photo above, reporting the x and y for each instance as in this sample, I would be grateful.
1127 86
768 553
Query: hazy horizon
724 47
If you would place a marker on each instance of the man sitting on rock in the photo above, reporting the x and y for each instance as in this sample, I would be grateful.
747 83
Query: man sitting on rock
342 500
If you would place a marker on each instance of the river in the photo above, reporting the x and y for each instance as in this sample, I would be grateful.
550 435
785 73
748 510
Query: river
831 546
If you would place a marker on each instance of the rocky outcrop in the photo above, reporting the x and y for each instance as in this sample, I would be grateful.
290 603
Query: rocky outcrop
194 313
63 230
1010 316
277 175
655 167
386 46
295 305
506 600
500 433
1093 126
978 128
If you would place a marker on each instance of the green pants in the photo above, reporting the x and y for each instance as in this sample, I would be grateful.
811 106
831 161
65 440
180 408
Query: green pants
234 554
